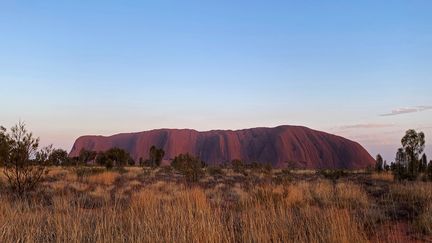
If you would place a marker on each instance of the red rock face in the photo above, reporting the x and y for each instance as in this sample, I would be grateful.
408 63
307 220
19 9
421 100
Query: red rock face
306 147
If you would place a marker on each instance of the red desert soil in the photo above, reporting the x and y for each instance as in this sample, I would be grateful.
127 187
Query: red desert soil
308 148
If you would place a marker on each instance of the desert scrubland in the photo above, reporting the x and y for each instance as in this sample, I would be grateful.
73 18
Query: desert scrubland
135 204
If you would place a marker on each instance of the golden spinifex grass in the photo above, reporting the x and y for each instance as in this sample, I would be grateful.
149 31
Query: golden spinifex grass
149 207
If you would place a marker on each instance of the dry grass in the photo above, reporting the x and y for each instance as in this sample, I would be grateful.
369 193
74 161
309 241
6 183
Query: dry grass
306 224
106 178
350 195
416 201
113 207
2 178
304 212
413 191
424 221
57 172
384 176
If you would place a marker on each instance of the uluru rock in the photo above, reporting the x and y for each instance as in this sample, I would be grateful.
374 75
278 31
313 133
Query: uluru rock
305 147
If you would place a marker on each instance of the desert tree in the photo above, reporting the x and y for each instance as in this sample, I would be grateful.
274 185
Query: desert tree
379 164
156 155
407 158
59 157
4 145
399 167
24 163
103 160
114 157
429 170
401 157
119 156
392 166
386 166
190 166
413 144
423 163
100 158
86 156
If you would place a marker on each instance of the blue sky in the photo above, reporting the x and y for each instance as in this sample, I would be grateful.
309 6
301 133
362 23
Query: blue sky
103 67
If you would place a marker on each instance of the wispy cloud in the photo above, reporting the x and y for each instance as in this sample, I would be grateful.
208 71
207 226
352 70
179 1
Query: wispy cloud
406 110
424 127
365 126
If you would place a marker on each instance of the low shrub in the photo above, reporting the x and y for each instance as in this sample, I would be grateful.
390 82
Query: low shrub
215 170
265 168
238 166
88 171
333 175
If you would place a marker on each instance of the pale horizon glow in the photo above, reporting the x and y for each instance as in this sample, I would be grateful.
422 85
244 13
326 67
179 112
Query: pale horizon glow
360 70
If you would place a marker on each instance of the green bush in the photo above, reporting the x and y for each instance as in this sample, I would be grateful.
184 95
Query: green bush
191 167
114 157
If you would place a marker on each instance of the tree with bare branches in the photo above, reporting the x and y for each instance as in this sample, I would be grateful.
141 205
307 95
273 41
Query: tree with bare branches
24 164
